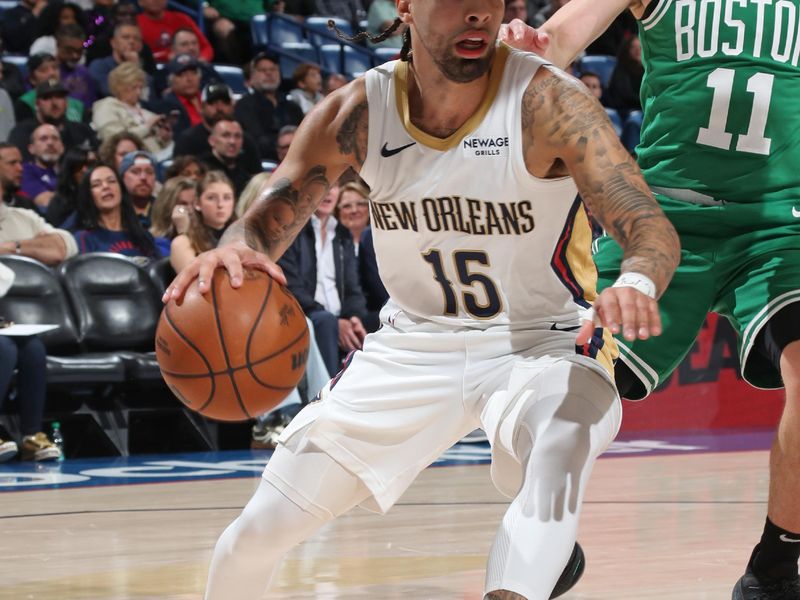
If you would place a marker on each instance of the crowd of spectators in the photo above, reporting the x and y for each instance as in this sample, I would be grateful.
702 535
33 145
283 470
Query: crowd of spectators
120 135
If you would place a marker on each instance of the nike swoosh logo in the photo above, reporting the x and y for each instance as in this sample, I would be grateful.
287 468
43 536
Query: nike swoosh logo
795 213
386 153
554 328
784 537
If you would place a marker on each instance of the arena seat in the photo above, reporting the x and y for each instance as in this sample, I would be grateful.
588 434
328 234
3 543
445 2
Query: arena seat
162 273
383 55
293 54
339 58
18 60
615 119
601 64
233 76
319 33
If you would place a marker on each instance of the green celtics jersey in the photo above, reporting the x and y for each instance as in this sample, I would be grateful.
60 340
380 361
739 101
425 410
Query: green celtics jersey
721 98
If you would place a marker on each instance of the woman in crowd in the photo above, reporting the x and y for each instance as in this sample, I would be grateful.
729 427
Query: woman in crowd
107 220
122 112
173 208
352 211
115 147
308 79
213 213
71 169
187 166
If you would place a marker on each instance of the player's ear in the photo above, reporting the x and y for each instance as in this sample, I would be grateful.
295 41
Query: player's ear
404 11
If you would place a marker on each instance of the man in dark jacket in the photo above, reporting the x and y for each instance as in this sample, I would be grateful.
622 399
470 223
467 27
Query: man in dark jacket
265 110
322 272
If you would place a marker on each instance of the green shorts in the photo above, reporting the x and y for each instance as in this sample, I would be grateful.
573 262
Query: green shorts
741 261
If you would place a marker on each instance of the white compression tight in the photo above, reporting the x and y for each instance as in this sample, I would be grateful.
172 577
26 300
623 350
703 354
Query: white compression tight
574 419
249 550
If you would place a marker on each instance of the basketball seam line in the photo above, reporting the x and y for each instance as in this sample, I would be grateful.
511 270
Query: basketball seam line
200 354
229 369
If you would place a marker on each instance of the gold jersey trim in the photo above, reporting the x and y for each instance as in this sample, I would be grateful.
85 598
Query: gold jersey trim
444 144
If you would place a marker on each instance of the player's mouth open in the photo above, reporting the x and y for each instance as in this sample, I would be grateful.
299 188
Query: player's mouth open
471 47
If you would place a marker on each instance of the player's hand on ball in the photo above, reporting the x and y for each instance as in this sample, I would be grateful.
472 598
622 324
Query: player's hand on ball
234 257
522 36
623 310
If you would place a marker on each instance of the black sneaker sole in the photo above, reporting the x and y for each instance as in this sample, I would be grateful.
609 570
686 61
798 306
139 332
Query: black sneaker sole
576 565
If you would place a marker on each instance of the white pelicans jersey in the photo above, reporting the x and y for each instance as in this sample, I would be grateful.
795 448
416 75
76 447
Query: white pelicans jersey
464 235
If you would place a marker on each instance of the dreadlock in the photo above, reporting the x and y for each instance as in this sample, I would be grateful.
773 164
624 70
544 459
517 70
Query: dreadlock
405 51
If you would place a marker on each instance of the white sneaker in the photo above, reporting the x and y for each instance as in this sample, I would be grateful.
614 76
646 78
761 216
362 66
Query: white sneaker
8 450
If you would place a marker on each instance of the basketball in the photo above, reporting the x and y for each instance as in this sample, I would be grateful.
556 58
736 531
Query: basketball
233 354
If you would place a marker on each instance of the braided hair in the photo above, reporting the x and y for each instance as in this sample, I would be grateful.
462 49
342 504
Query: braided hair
405 51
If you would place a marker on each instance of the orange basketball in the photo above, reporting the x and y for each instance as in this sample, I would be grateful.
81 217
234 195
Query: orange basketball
233 354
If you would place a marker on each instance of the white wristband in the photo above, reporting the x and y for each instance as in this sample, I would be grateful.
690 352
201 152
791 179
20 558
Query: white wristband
638 282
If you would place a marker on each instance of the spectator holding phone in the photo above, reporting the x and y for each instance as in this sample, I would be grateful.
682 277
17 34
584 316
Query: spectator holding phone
122 112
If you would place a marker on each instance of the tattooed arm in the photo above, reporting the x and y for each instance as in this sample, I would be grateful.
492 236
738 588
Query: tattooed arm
330 139
566 131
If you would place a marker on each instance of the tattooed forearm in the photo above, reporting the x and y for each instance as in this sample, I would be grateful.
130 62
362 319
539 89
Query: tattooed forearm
352 137
280 213
574 127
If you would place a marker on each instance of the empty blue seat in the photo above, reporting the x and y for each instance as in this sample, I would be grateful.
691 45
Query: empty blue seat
293 54
233 76
258 31
601 64
383 55
615 119
320 24
20 61
338 58
281 30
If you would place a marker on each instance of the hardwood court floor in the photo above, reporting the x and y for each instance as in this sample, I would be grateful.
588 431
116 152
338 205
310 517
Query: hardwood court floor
657 527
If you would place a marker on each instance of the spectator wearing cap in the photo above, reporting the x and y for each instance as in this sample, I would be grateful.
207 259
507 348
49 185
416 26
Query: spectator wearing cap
226 149
123 112
51 108
159 25
265 110
39 177
20 25
217 103
42 68
138 173
76 78
308 91
126 46
182 100
185 41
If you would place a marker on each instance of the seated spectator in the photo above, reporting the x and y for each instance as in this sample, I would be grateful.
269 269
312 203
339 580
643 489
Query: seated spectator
265 110
41 69
229 21
308 91
26 233
122 112
213 213
138 173
186 166
352 11
186 42
173 208
51 108
515 9
592 81
54 16
284 141
11 78
217 103
126 47
626 79
226 140
371 283
380 17
333 82
70 40
322 273
28 357
11 177
159 25
74 164
252 192
352 210
114 148
39 175
106 219
19 25
182 101
538 19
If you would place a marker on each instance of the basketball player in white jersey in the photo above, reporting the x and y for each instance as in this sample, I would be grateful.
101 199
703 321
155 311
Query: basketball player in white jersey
475 155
